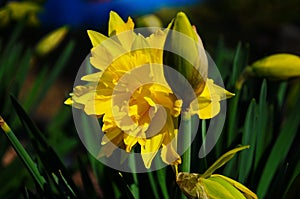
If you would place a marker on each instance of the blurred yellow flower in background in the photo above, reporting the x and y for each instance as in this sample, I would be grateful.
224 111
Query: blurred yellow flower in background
15 10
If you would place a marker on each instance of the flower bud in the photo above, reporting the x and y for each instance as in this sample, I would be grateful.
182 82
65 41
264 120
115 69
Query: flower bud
209 185
277 66
51 41
194 186
149 21
185 53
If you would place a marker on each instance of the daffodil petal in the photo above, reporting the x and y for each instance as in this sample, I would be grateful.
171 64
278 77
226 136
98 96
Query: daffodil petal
209 111
150 149
157 39
105 53
129 141
69 101
94 77
169 155
96 37
116 24
124 31
114 135
208 101
168 152
97 106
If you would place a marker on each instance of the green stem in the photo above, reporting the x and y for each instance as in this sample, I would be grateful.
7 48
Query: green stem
153 184
187 130
203 135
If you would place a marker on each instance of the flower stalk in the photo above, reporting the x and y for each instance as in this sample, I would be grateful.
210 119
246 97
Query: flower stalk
187 131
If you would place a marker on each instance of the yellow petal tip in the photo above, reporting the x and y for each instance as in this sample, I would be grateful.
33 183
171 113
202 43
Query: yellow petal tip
69 101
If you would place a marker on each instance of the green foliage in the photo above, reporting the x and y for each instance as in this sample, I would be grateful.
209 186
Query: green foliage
17 60
263 114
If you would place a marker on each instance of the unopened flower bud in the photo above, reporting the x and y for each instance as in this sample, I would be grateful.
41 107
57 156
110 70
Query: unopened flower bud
51 41
277 66
185 53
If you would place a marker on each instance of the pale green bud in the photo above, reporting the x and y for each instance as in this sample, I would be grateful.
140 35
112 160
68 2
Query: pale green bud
208 185
277 66
51 41
187 54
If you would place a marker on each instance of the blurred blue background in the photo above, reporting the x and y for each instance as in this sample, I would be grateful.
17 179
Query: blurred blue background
91 14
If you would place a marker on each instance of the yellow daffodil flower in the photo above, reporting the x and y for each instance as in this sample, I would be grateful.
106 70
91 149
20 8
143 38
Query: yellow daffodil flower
130 121
132 96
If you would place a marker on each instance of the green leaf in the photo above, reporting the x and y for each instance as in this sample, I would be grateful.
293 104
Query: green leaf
261 124
162 181
280 148
30 99
236 67
8 52
46 81
122 185
47 155
249 137
22 153
223 160
233 115
8 174
153 184
86 180
293 189
281 93
23 68
134 187
294 177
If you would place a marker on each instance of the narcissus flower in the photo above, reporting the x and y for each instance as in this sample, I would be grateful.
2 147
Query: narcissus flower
132 96
130 92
